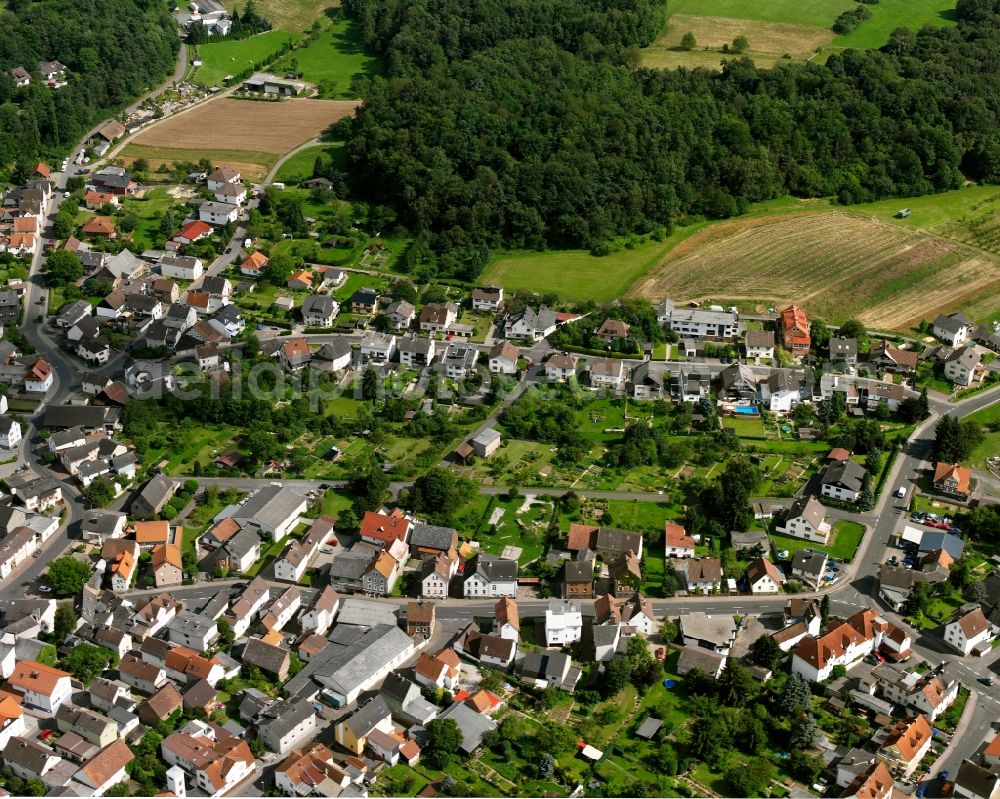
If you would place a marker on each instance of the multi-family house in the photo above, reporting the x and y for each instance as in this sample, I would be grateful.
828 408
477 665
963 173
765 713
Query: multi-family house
436 575
212 758
459 361
377 347
563 622
903 746
969 630
42 687
954 329
415 351
795 331
962 366
843 644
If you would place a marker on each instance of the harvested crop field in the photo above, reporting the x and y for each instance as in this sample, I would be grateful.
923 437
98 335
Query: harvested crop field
832 263
261 131
775 38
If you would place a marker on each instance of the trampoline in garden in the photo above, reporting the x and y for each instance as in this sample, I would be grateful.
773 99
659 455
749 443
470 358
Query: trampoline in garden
669 684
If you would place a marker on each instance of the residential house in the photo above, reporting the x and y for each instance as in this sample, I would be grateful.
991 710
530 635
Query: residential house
182 267
459 361
319 310
607 373
438 317
962 366
953 480
873 783
442 669
646 382
214 760
193 630
300 281
503 358
287 723
904 746
782 391
700 574
530 324
843 480
91 726
843 350
763 577
471 724
383 529
485 442
508 624
545 668
436 575
809 565
976 782
715 633
714 323
319 618
161 705
490 576
608 542
270 659
282 610
487 299
806 518
153 497
294 354
739 383
415 351
99 525
795 331
380 577
311 772
707 661
401 313
428 540
334 356
377 347
10 432
42 687
625 573
352 731
677 543
954 329
420 619
560 366
38 376
928 694
843 644
216 213
611 330
969 631
100 227
292 564
223 176
759 344
254 265
142 676
885 355
563 622
166 565
364 302
577 578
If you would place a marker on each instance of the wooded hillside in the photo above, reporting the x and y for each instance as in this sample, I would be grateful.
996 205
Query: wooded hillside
520 124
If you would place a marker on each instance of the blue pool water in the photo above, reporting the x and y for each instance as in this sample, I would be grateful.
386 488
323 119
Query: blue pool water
748 410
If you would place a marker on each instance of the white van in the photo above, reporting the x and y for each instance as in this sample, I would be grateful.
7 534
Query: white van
901 492
279 186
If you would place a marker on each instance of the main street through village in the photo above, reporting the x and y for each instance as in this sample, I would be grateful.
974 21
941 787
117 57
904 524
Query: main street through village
857 588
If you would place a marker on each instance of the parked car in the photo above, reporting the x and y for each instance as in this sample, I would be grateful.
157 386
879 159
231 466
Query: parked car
45 589
986 680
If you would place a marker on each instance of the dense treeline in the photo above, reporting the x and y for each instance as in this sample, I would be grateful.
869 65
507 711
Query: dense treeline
502 124
114 49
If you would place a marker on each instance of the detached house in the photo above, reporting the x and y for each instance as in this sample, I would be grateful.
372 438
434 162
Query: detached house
678 544
953 329
953 480
806 518
438 317
962 365
490 576
843 480
531 325
700 574
563 622
764 577
607 373
560 366
969 631
319 310
795 331
436 575
216 213
904 745
503 358
487 299
759 344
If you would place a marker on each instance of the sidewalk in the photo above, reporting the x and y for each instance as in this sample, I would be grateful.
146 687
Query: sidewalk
967 713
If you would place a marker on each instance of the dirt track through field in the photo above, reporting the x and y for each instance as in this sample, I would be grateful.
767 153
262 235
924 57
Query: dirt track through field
834 264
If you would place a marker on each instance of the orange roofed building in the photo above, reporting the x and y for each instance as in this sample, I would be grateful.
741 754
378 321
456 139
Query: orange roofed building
382 529
875 783
795 330
905 745
677 541
846 643
952 479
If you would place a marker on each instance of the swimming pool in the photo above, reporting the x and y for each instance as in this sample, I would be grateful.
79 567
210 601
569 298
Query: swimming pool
747 410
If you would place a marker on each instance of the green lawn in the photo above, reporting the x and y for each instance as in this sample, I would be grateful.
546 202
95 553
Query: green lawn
843 543
293 15
299 167
149 209
987 417
641 516
332 61
820 13
220 59
578 275
888 15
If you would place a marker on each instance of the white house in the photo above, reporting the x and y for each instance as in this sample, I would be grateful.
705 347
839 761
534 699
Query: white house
806 518
223 176
377 347
607 373
560 367
508 623
273 510
39 376
436 574
10 432
953 330
218 213
44 688
182 267
844 644
677 543
842 480
764 577
563 622
490 577
759 344
487 299
320 616
503 358
969 630
960 367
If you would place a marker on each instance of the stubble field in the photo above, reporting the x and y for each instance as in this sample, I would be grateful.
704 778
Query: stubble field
249 135
834 264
